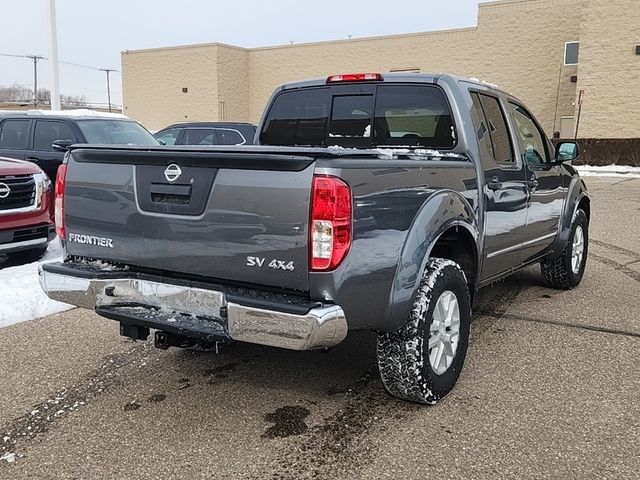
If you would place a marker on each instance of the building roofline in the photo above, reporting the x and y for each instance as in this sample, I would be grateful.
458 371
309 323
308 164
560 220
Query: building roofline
184 47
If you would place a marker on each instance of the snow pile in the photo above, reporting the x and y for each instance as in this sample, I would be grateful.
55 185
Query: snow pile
21 297
608 171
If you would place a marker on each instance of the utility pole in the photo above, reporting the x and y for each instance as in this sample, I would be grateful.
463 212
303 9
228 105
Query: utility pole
35 59
108 71
53 56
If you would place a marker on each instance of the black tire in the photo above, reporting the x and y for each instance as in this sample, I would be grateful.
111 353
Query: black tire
403 356
558 273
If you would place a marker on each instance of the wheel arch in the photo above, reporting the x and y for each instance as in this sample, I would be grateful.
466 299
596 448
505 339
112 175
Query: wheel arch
577 199
446 226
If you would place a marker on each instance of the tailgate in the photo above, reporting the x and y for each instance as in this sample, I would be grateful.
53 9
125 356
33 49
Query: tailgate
240 217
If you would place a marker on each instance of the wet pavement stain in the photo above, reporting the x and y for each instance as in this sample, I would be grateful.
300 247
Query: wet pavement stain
229 367
130 407
157 397
41 417
288 421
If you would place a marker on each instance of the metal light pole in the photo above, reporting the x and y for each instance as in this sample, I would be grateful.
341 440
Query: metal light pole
108 71
53 56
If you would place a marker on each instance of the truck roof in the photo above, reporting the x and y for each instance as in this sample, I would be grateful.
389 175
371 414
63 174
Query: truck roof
398 77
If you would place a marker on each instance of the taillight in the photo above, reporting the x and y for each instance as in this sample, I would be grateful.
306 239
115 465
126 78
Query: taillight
354 77
59 201
330 226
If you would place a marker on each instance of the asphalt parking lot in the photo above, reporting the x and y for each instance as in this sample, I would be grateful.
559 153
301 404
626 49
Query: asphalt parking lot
551 389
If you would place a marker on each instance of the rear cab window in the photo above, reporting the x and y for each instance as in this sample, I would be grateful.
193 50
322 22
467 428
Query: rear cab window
393 115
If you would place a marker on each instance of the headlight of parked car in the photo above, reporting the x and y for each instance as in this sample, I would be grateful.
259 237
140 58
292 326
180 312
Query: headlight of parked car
43 186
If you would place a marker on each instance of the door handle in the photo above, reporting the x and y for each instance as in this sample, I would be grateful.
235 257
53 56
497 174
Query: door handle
533 182
33 159
494 184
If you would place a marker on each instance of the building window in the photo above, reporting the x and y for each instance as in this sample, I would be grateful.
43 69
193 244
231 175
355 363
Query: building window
571 52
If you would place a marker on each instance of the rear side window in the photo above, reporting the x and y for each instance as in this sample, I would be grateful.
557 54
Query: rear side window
493 128
200 136
414 116
14 134
397 115
229 136
48 132
298 118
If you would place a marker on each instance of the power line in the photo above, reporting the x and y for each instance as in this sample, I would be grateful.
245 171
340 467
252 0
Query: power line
36 58
89 67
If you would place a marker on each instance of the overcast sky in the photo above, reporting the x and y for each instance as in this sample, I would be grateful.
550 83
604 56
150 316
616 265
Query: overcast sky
94 32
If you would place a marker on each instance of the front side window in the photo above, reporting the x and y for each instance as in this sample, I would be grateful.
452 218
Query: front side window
532 143
14 134
116 132
571 53
48 132
169 137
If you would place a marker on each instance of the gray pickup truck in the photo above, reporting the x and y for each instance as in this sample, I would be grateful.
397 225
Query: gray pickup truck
370 202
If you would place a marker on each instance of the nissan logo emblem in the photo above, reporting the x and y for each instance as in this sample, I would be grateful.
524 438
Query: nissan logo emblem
172 172
4 190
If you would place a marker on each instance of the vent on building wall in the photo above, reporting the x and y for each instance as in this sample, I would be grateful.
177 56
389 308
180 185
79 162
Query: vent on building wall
185 89
574 78
637 49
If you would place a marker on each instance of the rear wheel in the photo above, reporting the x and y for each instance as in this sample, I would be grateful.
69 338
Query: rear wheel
566 271
422 361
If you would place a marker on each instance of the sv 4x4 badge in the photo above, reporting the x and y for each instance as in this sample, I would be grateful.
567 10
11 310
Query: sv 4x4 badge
258 262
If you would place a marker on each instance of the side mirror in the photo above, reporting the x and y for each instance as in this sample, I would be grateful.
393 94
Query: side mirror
567 152
161 142
62 145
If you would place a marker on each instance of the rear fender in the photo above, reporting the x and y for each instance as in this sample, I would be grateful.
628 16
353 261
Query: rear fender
441 212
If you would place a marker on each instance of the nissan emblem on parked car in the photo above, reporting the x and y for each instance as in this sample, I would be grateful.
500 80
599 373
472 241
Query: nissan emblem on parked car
172 173
4 190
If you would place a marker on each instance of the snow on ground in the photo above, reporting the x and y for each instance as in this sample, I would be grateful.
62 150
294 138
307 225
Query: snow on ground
609 171
21 297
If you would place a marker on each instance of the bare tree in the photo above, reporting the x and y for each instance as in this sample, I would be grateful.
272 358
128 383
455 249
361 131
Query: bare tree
20 93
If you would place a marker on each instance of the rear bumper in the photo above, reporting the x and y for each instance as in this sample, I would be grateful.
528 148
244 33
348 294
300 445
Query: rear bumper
193 311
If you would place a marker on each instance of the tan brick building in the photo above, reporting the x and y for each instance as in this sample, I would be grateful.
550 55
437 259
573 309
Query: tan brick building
527 47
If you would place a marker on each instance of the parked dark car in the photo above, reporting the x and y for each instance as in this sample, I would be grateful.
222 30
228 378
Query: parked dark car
373 202
31 135
207 133
26 209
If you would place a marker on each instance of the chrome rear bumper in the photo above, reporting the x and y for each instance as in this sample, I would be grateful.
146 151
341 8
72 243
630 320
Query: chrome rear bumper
194 311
